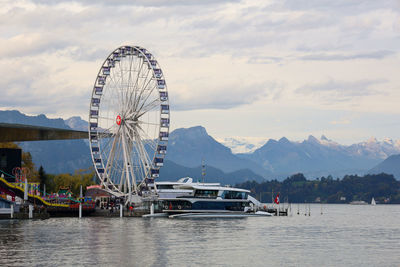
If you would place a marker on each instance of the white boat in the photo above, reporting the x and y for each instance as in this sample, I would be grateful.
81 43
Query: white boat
208 199
358 202
205 200
166 190
373 203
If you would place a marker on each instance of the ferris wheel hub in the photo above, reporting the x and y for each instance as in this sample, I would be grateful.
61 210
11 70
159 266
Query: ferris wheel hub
118 120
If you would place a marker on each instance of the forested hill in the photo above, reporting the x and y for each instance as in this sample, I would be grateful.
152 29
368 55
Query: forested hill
383 187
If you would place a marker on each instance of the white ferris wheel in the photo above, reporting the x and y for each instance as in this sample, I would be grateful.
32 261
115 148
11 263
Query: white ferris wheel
129 121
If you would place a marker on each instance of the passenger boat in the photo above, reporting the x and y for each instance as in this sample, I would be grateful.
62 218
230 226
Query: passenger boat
180 188
211 201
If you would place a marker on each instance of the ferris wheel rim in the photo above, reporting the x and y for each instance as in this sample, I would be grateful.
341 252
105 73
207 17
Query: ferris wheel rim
128 134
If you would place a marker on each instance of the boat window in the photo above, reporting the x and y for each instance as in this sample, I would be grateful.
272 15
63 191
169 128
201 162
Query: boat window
165 186
206 193
234 195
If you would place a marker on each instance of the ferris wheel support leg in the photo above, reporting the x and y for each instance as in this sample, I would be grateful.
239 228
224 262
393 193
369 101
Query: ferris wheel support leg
144 157
30 209
110 160
26 190
127 167
140 149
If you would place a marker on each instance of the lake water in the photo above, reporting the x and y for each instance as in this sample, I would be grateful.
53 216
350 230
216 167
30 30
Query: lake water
344 235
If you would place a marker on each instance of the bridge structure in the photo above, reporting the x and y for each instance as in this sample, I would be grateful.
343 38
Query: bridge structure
10 132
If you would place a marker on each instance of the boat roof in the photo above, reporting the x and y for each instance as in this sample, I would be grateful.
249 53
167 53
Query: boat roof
179 183
222 188
185 180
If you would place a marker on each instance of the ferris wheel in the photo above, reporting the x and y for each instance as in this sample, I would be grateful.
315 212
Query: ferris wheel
129 121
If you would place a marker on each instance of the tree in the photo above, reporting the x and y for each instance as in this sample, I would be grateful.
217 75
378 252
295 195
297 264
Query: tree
352 187
42 177
72 181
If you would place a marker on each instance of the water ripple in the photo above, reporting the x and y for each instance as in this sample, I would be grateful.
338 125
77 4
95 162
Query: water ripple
343 235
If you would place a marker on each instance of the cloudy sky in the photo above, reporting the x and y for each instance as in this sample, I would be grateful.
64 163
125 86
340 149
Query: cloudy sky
260 69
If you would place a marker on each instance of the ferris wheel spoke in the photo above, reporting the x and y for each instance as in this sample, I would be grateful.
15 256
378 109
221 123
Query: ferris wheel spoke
111 157
135 84
130 80
143 98
147 97
106 118
116 88
130 128
146 83
107 132
139 146
125 84
155 103
142 89
128 164
136 71
136 142
148 123
150 141
132 86
113 154
144 156
109 101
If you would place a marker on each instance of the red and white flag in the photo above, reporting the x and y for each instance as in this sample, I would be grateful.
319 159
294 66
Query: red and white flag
277 199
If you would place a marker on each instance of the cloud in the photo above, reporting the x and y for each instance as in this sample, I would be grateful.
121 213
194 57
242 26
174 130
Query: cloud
23 45
151 3
340 122
32 87
351 56
223 97
341 90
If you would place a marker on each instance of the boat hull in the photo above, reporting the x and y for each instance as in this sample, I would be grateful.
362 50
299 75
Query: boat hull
218 215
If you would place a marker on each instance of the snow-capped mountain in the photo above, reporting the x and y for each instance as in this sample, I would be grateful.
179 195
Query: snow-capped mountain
242 144
372 148
316 157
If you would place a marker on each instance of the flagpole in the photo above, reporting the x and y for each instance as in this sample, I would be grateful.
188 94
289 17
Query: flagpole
272 196
277 211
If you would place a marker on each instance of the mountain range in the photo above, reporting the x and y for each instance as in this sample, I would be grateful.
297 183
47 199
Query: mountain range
316 158
390 165
188 147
